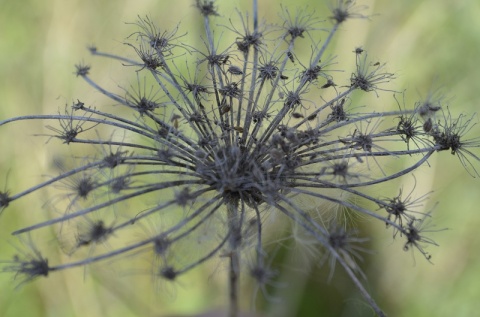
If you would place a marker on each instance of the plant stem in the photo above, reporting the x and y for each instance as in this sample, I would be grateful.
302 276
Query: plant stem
233 284
234 224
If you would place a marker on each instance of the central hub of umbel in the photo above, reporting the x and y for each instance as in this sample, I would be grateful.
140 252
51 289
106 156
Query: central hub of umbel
233 173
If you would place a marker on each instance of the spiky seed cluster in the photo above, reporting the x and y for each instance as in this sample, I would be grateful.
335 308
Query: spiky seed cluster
214 155
4 200
28 264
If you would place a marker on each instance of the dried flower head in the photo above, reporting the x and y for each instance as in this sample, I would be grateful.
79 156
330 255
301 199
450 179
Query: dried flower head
204 158
28 264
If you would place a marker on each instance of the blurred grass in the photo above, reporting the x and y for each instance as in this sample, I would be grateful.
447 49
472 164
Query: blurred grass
426 43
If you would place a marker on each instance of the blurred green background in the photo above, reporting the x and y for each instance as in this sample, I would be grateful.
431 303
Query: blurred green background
426 43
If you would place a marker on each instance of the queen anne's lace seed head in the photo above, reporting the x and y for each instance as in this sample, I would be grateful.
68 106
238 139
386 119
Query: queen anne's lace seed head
254 131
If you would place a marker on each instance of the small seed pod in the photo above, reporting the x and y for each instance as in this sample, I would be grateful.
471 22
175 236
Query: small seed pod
234 70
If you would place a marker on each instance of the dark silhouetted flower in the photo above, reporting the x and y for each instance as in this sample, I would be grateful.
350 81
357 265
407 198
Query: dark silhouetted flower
255 131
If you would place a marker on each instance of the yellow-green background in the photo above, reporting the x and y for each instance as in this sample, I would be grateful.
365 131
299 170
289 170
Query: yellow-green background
424 42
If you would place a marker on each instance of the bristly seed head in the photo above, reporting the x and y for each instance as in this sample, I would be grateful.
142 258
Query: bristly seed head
82 69
230 134
93 232
4 200
28 265
168 273
206 7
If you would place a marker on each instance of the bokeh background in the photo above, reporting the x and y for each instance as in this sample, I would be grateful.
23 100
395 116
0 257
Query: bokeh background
427 43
